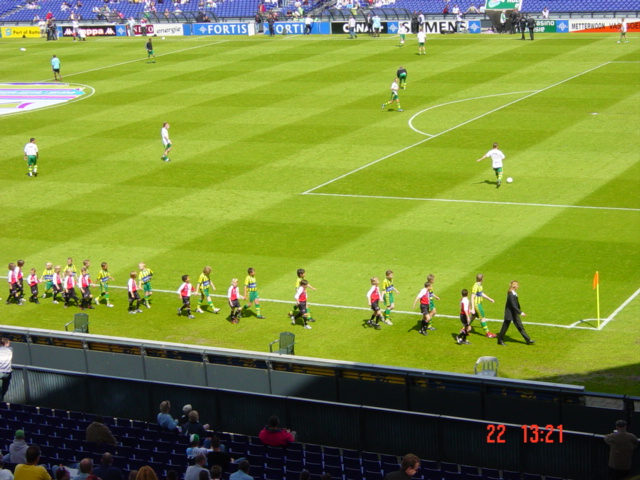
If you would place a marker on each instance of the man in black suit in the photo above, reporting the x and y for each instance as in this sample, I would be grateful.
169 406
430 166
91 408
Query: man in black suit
531 23
512 313
523 25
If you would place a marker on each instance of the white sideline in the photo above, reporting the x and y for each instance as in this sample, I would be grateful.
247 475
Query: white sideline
574 325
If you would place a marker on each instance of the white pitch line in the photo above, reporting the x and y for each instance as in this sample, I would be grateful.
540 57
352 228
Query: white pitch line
404 312
619 309
454 128
139 59
459 101
454 200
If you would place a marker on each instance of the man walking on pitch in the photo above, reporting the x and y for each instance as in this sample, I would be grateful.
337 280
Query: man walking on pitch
394 96
623 32
150 53
402 76
422 39
55 66
166 141
496 162
31 157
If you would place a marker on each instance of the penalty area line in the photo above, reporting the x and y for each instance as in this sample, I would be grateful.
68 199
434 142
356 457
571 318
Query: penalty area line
535 92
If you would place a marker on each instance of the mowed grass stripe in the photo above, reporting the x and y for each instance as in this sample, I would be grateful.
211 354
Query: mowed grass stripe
254 122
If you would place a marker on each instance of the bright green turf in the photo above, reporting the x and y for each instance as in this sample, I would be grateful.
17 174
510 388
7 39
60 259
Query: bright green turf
257 121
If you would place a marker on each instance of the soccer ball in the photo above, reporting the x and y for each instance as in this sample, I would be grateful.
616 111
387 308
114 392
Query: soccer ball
23 49
509 179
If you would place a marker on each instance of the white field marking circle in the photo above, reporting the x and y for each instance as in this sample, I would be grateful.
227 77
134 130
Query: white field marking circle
458 101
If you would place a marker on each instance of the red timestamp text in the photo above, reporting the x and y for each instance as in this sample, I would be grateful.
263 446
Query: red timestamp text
530 433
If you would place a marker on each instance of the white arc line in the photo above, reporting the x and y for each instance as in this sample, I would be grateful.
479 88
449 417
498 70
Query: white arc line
454 128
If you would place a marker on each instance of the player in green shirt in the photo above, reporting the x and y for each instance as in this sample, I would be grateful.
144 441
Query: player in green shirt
301 273
477 311
47 276
251 291
387 292
103 281
144 281
203 287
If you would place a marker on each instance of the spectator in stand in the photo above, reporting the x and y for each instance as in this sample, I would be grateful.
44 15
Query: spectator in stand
98 432
545 13
6 361
194 450
481 8
193 425
455 10
622 444
185 410
216 472
164 417
85 468
30 470
146 473
193 472
408 468
172 475
132 475
61 473
5 474
106 470
218 457
275 436
17 449
472 9
242 473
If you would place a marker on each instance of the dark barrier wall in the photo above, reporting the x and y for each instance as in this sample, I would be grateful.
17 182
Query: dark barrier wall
437 437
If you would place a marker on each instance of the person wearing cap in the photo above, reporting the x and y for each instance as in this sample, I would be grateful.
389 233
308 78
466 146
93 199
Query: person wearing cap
194 450
29 469
193 471
18 449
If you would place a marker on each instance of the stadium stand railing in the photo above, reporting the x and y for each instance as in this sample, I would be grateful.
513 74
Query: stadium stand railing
328 402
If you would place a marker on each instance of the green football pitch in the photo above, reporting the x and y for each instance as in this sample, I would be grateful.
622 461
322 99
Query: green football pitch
284 159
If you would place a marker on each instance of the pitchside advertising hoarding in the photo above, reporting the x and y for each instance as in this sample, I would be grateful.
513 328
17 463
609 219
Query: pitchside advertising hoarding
159 29
20 32
607 25
92 31
297 28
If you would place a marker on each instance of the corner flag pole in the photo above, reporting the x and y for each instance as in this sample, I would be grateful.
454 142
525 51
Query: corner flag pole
596 286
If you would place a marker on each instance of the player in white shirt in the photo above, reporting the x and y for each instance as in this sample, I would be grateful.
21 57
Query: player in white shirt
496 162
422 38
166 141
402 31
623 31
394 96
31 157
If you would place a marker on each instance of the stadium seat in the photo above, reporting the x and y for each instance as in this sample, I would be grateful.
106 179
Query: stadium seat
448 467
331 451
80 323
509 475
486 366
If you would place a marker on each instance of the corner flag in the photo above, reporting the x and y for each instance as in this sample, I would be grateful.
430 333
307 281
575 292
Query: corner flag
596 287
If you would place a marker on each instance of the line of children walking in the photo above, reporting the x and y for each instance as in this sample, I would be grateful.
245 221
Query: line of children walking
63 285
